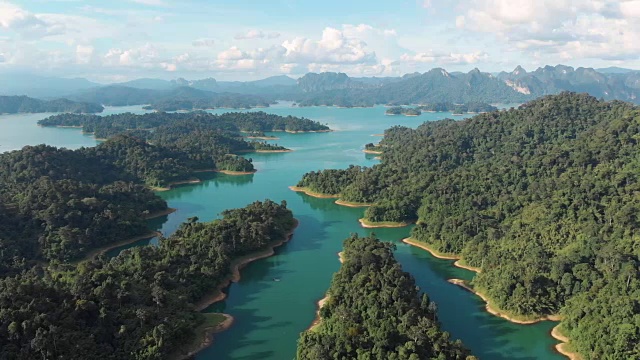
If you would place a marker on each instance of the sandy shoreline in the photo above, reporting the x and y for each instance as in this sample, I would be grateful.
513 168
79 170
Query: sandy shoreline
561 348
312 193
369 225
372 152
274 151
219 295
235 173
208 336
351 204
236 266
440 255
263 137
176 183
97 252
377 134
158 214
492 310
323 301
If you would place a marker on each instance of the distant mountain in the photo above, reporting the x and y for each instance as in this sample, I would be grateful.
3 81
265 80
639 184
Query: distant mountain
25 104
435 86
179 98
41 86
153 84
555 79
313 82
615 70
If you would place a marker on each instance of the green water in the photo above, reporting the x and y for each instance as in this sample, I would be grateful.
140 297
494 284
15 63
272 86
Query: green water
270 314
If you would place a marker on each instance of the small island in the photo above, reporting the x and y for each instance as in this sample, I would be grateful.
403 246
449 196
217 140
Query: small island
372 148
399 110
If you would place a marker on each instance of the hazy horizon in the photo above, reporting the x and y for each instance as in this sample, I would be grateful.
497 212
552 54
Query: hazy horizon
129 39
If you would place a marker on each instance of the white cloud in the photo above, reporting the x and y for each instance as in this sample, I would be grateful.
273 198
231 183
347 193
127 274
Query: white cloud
445 58
256 34
204 43
84 54
335 47
567 29
25 23
146 56
152 2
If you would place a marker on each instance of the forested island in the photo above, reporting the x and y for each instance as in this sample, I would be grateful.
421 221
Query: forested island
441 107
231 101
138 305
25 104
206 139
472 107
399 110
543 199
374 311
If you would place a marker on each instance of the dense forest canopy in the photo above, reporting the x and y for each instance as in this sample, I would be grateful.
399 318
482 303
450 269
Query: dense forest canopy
374 311
207 141
138 305
543 198
24 104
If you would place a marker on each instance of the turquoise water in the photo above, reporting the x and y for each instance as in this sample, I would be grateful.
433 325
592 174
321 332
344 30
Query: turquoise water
270 315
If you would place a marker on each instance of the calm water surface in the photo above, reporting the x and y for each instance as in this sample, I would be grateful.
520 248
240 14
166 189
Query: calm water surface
270 314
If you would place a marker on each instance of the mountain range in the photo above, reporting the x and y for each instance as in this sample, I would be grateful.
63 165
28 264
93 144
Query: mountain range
339 89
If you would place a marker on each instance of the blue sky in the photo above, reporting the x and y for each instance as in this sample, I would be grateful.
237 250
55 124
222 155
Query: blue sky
249 39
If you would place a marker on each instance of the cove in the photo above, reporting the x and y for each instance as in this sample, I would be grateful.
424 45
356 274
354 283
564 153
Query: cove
270 314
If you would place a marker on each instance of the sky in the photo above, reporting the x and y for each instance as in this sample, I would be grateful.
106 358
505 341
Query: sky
119 40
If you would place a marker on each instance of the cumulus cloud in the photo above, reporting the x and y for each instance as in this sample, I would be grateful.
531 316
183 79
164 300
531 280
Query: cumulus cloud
569 29
25 23
256 34
146 56
335 47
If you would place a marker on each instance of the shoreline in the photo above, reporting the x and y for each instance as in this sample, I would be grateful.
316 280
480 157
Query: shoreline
251 151
158 214
103 250
175 183
492 310
377 134
235 173
208 337
564 341
387 224
439 255
274 151
313 193
316 322
237 265
303 132
263 137
372 152
351 204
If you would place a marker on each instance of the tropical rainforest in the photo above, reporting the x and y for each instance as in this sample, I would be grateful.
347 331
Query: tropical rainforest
202 138
543 199
374 311
138 305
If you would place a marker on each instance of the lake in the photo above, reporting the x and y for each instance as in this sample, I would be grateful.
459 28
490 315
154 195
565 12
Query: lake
270 314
